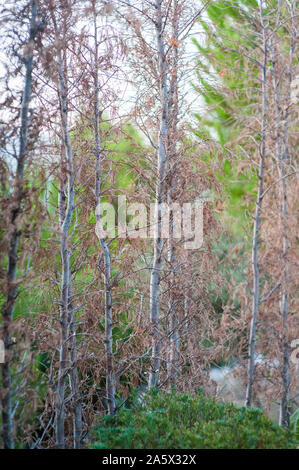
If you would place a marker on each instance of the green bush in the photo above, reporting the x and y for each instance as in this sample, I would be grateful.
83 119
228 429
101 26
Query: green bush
295 422
182 421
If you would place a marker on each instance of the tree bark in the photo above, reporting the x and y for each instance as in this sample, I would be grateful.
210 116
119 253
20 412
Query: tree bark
171 255
67 321
9 305
257 223
281 147
284 417
110 373
160 197
74 380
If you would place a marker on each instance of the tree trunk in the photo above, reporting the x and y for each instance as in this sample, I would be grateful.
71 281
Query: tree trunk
172 144
74 381
284 418
110 373
257 222
67 331
160 197
9 305
281 147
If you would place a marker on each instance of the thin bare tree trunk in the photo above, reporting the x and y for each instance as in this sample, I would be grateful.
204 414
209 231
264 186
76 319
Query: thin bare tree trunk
173 137
281 145
160 197
60 414
257 222
110 373
67 322
9 305
280 161
284 417
74 380
66 274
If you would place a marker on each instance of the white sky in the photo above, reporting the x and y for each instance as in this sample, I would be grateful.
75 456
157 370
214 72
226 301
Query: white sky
126 91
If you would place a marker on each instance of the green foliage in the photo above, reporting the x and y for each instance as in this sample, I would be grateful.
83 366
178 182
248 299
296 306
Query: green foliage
232 266
295 423
181 421
225 77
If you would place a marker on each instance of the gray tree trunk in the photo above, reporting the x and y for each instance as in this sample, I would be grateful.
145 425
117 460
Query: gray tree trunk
171 254
67 321
74 380
110 373
160 197
257 222
9 305
284 418
281 147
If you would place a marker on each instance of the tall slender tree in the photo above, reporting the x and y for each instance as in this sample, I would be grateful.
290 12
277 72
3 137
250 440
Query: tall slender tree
67 360
17 197
99 154
258 212
167 25
282 99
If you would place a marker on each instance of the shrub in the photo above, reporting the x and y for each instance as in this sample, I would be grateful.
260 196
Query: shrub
295 422
181 421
